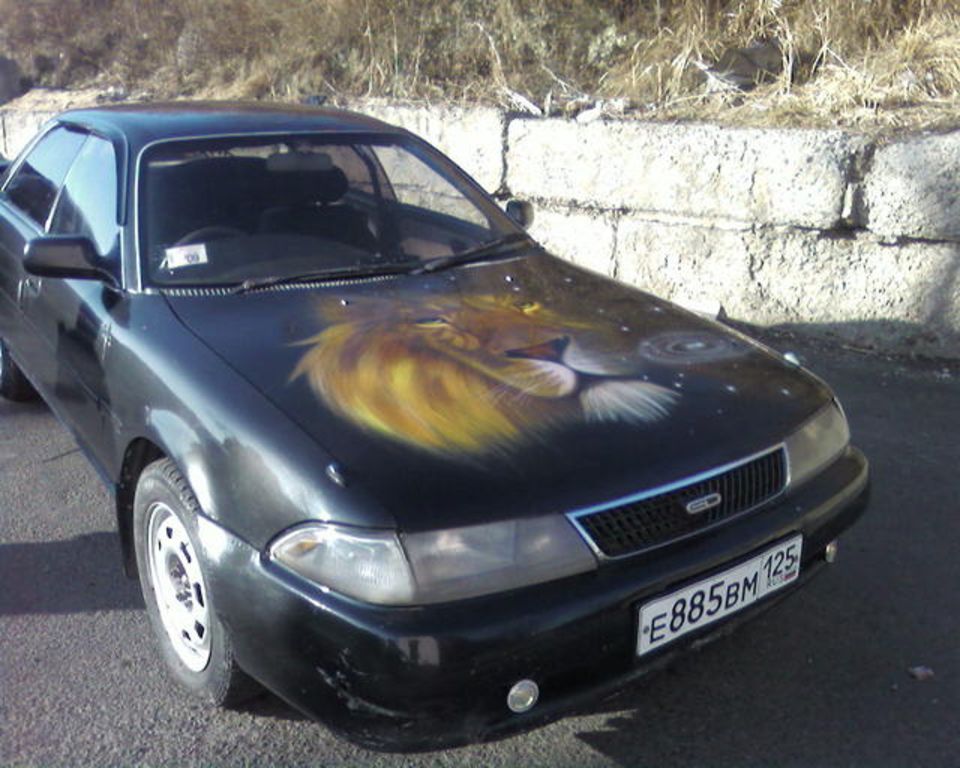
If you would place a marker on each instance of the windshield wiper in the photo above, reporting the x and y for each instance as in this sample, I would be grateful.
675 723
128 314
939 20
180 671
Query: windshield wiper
371 270
479 253
484 251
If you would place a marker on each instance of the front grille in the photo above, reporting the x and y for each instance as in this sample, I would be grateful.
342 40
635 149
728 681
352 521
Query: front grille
659 519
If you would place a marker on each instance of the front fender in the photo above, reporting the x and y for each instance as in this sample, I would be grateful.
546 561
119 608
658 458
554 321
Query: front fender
251 468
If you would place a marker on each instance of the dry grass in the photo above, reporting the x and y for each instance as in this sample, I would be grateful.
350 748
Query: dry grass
859 62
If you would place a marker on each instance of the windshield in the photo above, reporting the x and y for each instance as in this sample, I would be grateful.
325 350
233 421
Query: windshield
228 210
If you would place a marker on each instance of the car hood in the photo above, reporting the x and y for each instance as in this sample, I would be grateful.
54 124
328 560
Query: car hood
515 387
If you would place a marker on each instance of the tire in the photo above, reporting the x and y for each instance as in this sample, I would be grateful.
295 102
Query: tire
13 384
194 644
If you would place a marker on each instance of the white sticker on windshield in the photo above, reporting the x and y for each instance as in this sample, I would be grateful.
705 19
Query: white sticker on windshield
184 256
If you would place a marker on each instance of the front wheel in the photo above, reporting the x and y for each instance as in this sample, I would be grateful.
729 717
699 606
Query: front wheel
13 384
173 576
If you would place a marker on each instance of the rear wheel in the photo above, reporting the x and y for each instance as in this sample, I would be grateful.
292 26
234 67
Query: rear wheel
13 384
173 576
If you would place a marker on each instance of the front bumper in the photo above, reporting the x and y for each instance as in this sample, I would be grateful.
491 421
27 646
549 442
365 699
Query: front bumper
436 676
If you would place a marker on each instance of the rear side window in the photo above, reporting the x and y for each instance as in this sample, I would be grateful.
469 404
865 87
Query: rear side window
417 184
88 202
348 161
33 188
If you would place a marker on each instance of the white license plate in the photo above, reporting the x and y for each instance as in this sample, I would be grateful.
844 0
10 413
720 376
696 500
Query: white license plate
665 619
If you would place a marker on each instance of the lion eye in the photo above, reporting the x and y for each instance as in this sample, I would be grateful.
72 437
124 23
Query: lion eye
528 307
431 322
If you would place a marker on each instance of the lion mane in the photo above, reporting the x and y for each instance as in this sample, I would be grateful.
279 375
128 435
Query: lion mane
476 373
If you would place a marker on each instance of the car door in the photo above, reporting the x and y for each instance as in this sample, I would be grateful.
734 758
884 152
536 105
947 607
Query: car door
26 201
75 318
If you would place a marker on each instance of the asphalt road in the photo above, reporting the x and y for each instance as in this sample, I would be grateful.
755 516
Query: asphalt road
819 680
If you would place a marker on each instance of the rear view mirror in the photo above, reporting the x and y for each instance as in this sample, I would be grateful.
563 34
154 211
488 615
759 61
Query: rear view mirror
65 256
521 212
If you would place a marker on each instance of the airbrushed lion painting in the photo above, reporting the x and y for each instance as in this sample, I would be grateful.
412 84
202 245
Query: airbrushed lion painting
475 373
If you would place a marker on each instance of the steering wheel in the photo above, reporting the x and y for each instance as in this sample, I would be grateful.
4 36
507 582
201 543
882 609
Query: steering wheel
215 232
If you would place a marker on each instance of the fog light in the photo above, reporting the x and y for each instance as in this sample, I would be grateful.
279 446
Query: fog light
523 696
830 553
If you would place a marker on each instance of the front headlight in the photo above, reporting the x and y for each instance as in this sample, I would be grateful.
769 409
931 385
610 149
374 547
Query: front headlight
434 566
817 443
480 559
367 565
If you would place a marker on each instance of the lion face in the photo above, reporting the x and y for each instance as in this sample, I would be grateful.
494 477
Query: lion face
473 374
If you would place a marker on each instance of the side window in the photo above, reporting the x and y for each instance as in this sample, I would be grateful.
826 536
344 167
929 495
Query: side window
348 161
33 188
88 202
416 183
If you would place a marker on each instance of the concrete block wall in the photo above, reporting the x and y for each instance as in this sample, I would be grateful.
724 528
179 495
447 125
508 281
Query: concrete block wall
18 127
827 232
777 177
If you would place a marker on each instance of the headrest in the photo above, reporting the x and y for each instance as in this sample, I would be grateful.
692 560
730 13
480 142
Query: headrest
329 186
310 177
308 187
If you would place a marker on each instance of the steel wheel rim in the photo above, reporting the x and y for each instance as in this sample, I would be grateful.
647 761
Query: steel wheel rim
179 587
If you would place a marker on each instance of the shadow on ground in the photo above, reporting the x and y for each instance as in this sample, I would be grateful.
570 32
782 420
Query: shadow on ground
67 576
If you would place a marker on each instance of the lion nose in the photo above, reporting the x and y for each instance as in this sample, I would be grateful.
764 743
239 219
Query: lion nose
551 351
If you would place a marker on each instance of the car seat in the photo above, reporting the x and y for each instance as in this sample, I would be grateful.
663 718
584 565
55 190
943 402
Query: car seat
315 209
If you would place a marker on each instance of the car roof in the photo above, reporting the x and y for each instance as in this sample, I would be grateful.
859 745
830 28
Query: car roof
137 125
